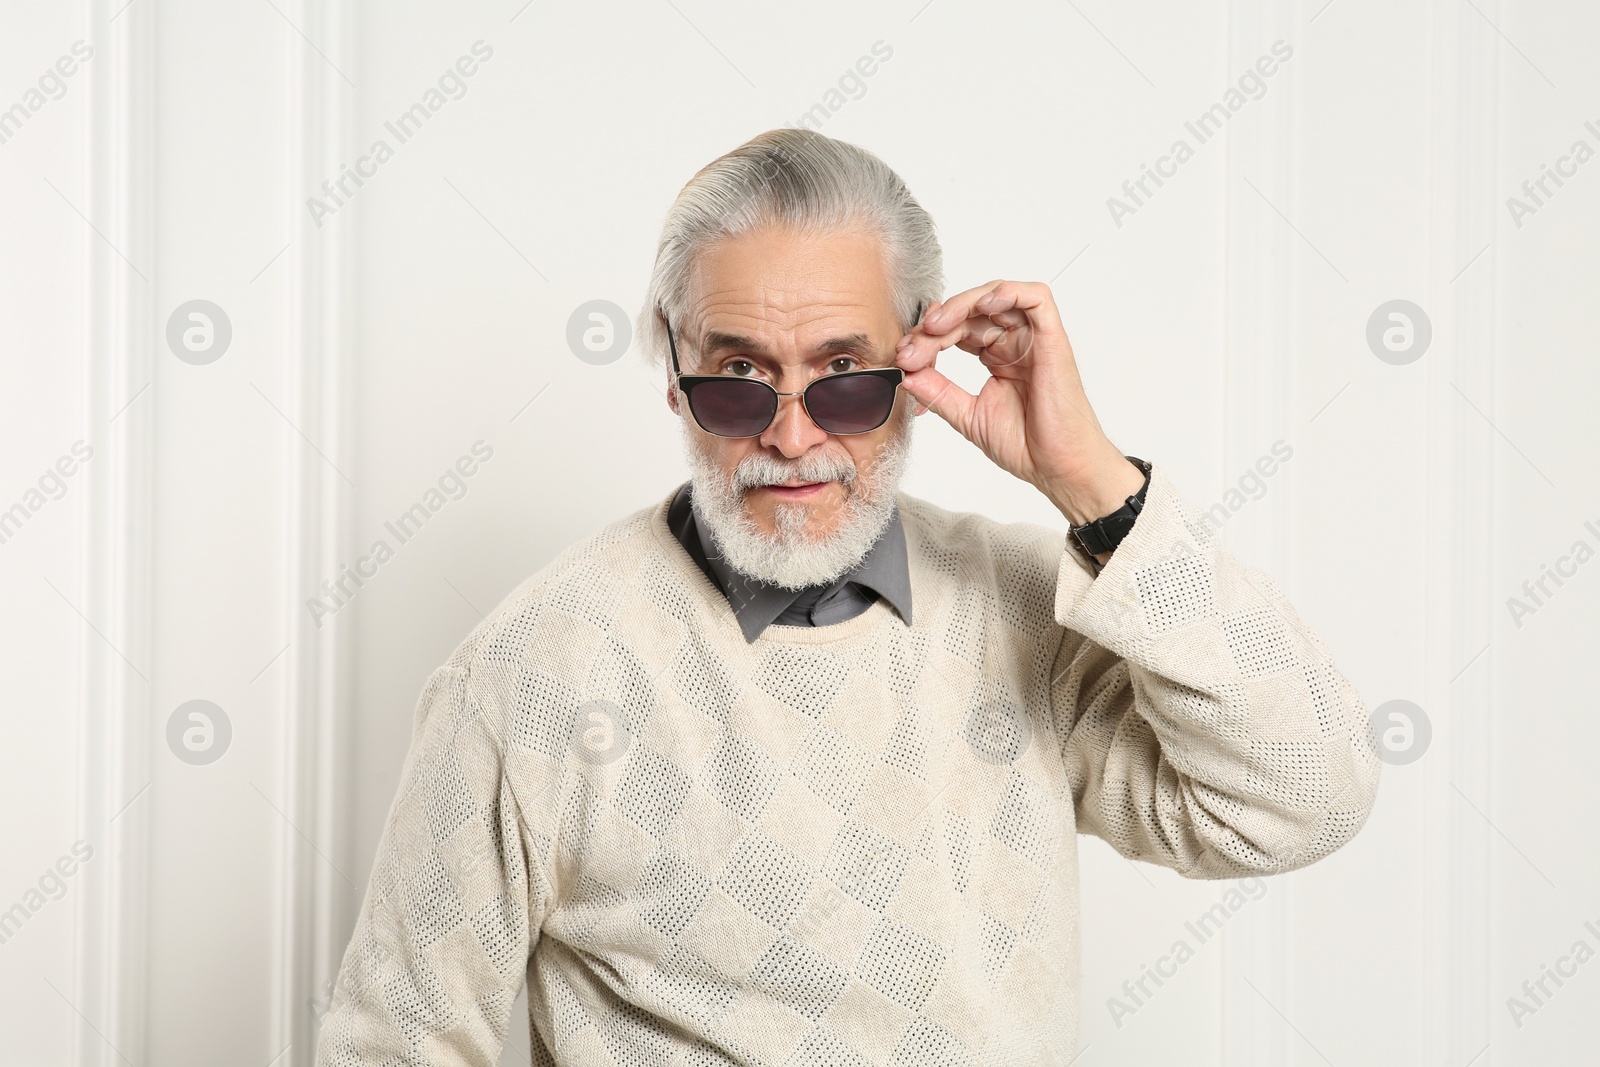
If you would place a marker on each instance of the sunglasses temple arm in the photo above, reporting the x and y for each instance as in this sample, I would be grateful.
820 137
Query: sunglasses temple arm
671 344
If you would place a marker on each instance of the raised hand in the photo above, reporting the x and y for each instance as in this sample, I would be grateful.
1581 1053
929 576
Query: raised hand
1031 417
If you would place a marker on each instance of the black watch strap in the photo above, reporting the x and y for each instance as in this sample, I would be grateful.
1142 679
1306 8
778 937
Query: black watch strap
1105 534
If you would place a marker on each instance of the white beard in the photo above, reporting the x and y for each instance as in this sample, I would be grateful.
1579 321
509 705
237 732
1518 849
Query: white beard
789 559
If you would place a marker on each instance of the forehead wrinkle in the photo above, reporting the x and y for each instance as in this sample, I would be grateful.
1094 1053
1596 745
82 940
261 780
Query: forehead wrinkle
783 308
772 274
753 313
857 343
766 318
754 319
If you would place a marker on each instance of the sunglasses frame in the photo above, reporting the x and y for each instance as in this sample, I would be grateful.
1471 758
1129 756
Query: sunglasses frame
687 383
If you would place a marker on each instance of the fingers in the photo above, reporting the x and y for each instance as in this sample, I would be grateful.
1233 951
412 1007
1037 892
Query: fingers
911 357
996 345
1033 298
917 349
947 314
968 320
942 397
1012 318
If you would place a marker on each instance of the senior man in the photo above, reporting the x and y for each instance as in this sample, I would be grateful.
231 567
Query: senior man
789 767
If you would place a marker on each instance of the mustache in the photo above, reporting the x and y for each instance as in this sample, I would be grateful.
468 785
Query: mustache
762 468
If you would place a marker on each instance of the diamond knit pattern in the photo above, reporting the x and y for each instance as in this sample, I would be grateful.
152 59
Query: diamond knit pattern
851 844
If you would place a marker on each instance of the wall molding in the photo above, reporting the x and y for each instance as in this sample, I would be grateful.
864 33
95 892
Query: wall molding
1258 409
310 892
1457 1004
115 723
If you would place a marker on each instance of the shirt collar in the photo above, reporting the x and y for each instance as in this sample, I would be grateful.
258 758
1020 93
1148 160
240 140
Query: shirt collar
885 570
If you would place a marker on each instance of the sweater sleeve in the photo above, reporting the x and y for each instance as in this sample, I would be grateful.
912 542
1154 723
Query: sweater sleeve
452 910
1203 726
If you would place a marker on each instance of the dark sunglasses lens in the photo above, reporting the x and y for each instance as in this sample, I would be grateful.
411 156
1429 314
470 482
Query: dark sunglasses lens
733 408
850 403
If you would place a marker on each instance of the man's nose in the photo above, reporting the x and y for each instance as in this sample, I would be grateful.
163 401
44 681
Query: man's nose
792 432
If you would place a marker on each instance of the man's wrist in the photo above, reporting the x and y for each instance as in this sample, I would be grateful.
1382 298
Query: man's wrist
1100 537
1100 495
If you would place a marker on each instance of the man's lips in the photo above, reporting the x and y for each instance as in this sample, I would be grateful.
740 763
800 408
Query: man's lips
796 490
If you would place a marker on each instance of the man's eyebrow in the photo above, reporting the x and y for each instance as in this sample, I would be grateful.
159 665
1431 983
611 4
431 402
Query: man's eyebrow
717 341
857 343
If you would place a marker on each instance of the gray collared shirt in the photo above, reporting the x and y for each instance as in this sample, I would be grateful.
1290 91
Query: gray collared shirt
885 572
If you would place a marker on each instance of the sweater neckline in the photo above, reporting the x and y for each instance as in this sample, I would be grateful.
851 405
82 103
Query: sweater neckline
878 615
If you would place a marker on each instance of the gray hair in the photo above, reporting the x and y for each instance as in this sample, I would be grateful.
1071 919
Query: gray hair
804 180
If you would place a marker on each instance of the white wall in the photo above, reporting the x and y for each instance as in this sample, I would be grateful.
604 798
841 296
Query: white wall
373 346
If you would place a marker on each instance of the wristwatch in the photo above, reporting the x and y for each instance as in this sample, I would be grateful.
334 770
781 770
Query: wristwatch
1105 534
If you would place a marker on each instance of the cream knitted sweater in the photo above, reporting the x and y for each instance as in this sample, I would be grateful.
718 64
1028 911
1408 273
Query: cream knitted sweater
846 845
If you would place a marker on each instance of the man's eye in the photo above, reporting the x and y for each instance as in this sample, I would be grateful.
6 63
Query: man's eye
840 365
741 367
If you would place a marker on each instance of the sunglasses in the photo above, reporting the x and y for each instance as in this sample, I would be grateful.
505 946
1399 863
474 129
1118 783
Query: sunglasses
854 401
